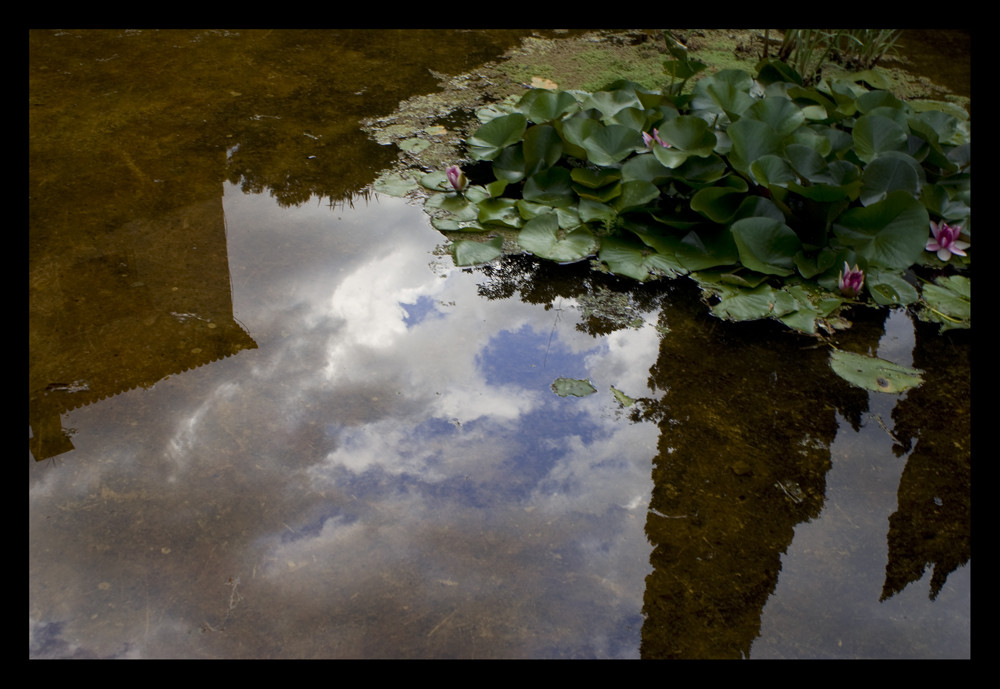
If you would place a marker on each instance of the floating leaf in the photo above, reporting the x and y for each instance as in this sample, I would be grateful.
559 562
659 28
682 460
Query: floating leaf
636 260
622 398
395 184
608 145
948 302
543 237
891 233
541 105
872 373
564 387
875 134
766 245
496 135
499 212
468 252
552 187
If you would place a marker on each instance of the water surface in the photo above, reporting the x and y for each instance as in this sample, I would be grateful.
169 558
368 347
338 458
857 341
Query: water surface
269 417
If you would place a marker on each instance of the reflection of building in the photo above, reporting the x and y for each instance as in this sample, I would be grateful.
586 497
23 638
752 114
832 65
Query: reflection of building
125 308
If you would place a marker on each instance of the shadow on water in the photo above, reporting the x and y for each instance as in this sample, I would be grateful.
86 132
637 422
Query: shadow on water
281 456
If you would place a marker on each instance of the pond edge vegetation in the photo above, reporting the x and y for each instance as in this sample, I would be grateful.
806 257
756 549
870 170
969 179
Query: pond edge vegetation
782 195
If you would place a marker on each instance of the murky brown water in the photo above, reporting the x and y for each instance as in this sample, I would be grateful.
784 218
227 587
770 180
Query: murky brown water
269 418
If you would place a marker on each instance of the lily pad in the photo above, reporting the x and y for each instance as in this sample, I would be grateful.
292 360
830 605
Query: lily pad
395 184
948 302
468 252
872 373
565 387
543 237
622 398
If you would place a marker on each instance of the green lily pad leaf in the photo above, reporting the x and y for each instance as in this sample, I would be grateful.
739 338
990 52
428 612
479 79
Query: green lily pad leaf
872 373
595 179
746 304
496 135
608 145
565 387
414 145
552 187
610 102
636 194
468 252
728 90
781 114
499 212
948 302
455 204
622 398
875 134
718 204
699 172
689 133
772 170
594 211
542 148
707 247
602 195
395 184
889 289
808 163
752 139
636 260
890 172
766 245
543 237
542 105
450 223
646 168
891 233
509 165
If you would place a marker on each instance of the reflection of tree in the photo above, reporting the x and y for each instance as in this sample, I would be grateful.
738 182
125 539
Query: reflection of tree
542 282
743 456
747 417
931 524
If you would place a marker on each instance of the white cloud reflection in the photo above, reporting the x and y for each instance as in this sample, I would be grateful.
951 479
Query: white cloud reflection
392 453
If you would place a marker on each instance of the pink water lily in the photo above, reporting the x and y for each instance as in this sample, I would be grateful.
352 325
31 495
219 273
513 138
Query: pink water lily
945 241
649 139
457 178
851 280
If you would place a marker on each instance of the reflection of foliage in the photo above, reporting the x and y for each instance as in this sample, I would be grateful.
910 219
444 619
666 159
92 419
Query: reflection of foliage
608 303
615 310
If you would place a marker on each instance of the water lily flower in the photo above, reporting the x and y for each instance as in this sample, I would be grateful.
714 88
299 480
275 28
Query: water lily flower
457 178
850 280
649 139
945 241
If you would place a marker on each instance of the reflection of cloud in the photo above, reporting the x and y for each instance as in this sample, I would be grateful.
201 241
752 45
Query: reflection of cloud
390 454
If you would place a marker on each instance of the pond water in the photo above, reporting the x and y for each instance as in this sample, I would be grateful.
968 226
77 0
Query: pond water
269 418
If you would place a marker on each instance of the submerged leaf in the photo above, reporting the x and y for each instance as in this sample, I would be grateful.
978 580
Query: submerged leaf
872 373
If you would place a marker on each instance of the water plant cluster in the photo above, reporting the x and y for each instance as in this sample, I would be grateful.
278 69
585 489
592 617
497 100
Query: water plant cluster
806 50
781 200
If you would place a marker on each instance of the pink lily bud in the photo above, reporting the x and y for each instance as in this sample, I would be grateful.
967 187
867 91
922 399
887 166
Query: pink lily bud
655 137
851 280
457 178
